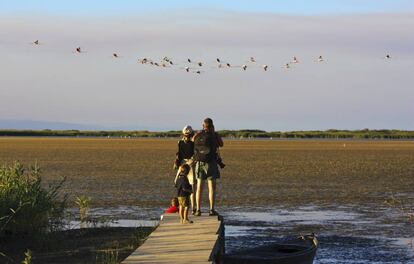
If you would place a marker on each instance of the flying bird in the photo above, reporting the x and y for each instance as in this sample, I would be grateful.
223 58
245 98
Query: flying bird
36 42
143 61
295 60
252 59
287 66
320 59
188 60
78 50
200 63
218 60
187 69
244 67
115 55
388 56
265 67
228 65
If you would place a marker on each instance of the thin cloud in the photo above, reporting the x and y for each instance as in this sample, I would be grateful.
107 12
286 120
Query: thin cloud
354 89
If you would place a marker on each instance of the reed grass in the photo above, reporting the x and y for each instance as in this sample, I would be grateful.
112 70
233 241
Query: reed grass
26 207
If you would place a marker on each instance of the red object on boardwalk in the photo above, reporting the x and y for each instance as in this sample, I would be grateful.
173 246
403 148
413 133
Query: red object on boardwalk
172 209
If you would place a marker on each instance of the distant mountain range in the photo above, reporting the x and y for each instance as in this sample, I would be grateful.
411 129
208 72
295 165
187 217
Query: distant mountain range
41 125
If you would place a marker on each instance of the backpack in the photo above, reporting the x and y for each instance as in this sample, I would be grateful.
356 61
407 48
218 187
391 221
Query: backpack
203 147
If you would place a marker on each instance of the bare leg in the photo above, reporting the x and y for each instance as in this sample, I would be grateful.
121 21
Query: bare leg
212 193
181 212
185 215
198 194
193 196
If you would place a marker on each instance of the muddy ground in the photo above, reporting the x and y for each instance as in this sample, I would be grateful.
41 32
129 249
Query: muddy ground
139 172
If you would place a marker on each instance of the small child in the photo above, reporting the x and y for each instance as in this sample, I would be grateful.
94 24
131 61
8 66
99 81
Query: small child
173 207
184 191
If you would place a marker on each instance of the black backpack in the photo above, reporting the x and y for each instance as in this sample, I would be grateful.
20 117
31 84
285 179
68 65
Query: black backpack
204 147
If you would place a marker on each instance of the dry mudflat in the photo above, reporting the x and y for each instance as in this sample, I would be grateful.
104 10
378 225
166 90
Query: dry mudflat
139 172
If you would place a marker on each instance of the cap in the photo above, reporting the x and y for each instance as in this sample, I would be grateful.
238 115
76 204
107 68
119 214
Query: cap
187 130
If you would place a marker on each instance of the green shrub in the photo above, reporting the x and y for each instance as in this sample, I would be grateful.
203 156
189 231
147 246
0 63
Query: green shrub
26 207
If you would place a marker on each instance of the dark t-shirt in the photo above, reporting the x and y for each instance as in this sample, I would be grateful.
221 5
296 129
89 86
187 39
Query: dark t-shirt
183 186
185 150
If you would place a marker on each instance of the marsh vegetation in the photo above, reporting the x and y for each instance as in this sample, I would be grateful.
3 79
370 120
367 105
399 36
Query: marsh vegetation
139 172
357 174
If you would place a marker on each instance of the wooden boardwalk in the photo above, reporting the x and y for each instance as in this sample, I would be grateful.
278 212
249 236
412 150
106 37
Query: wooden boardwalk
172 242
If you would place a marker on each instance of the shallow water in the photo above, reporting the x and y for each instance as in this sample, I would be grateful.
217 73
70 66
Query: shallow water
346 234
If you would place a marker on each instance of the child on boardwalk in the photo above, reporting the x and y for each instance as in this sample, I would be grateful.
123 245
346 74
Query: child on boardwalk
173 207
184 191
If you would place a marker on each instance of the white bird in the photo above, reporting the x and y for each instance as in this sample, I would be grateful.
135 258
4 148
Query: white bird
295 60
320 59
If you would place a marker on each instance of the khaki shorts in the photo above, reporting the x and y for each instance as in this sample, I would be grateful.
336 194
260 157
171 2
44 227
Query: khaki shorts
184 201
191 175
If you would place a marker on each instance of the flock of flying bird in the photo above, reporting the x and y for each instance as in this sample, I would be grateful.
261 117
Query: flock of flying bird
196 66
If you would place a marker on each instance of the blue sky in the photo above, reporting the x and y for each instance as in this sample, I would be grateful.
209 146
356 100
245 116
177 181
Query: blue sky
298 7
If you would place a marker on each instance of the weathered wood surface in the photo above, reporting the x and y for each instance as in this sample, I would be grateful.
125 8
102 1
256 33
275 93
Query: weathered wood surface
172 242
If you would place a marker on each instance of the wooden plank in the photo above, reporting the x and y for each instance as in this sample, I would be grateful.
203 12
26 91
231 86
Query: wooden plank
172 242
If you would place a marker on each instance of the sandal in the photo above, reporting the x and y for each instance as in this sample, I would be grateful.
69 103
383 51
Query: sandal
212 213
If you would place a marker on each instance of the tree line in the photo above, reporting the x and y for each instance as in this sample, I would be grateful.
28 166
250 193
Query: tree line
237 134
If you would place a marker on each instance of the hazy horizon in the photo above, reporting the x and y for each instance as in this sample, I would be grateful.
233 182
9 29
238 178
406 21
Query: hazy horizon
355 88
